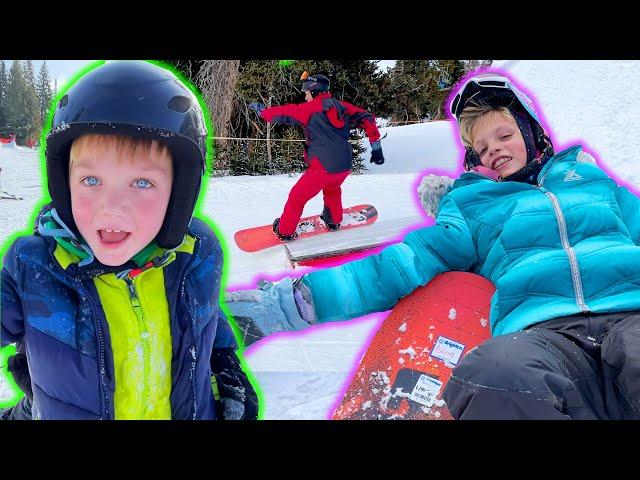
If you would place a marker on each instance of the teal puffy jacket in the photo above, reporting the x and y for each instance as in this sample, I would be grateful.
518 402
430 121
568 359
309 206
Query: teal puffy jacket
571 243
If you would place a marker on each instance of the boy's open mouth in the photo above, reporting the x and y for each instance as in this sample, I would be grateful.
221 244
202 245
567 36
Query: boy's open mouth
497 163
112 236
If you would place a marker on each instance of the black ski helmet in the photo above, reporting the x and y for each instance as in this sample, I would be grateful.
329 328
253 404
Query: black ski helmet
135 99
314 83
499 91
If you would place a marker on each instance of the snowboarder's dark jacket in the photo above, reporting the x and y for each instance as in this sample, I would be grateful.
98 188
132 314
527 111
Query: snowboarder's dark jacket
326 123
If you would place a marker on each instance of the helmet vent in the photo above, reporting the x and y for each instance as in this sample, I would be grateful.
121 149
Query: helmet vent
63 101
179 104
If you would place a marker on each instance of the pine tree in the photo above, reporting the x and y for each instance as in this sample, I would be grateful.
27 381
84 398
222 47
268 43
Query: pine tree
418 88
32 103
17 121
3 98
44 91
410 88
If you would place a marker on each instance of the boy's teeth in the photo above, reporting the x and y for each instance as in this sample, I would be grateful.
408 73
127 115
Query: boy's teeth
504 160
107 230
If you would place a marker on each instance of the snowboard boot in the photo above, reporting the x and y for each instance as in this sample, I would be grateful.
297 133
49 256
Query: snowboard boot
325 216
284 238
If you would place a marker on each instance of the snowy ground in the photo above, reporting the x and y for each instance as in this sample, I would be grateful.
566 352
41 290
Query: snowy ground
5 393
596 103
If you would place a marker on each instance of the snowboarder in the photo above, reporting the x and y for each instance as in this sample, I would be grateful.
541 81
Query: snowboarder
327 151
107 294
558 238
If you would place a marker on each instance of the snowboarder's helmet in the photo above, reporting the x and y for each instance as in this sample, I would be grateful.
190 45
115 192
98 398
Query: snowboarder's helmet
314 83
141 100
499 91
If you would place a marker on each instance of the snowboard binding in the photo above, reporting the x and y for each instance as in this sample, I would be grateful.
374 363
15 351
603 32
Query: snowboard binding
284 238
325 216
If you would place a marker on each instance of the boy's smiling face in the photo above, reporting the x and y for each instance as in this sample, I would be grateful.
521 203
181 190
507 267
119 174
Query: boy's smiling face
499 144
119 194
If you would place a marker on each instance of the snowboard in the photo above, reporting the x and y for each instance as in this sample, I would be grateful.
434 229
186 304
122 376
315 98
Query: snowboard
404 371
258 238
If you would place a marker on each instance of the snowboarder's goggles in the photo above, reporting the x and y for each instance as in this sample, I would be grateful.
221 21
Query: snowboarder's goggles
305 77
483 83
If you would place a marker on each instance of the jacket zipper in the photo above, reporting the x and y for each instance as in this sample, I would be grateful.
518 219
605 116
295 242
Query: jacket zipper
144 336
564 239
101 362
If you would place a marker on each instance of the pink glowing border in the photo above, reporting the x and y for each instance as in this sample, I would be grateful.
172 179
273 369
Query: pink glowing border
427 221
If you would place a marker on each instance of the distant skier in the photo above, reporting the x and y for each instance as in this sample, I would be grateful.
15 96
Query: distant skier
326 122
558 238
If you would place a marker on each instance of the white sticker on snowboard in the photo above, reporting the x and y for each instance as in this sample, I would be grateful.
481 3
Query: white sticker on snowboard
425 390
447 350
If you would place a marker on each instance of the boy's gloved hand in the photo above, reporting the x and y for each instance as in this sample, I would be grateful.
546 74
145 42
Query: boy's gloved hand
376 153
17 365
282 306
257 107
236 399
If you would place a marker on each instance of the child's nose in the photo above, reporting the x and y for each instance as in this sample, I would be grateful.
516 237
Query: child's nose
114 201
494 148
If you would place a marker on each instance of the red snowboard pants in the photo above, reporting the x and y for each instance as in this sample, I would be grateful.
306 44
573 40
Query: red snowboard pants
315 180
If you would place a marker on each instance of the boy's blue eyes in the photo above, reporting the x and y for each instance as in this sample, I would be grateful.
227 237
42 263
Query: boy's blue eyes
139 183
90 181
142 183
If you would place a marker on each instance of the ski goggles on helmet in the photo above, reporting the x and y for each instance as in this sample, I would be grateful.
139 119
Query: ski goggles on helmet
313 82
493 89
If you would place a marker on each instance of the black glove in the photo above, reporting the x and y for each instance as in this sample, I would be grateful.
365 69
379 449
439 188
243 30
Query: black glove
17 365
20 411
376 153
237 398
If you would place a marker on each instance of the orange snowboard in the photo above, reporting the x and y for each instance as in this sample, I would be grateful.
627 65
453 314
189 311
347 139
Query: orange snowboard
258 238
405 369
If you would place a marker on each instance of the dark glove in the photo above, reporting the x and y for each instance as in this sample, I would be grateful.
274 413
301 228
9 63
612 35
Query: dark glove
17 365
236 399
257 107
20 411
376 153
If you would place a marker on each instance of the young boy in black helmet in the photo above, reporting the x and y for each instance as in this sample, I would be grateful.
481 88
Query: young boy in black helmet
326 122
115 298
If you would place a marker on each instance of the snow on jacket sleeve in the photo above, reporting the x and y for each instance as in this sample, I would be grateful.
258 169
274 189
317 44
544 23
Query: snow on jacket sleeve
290 114
377 282
11 318
362 119
630 208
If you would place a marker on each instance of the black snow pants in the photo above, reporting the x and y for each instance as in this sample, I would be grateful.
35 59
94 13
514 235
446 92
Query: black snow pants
584 366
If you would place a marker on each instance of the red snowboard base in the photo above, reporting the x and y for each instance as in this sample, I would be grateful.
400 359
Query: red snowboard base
405 369
258 238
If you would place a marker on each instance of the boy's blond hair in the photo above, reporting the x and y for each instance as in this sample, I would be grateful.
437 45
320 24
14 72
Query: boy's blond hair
470 116
126 147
